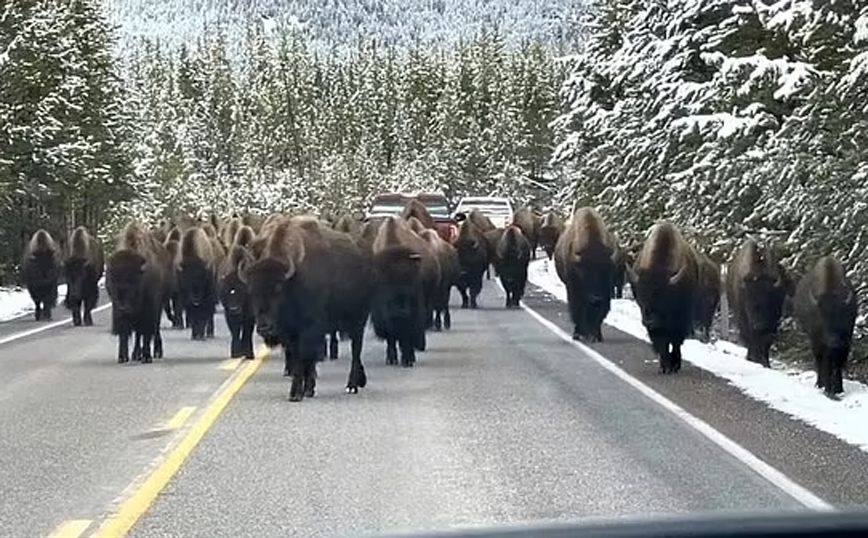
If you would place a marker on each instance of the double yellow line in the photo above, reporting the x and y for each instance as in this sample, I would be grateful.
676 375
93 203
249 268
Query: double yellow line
131 510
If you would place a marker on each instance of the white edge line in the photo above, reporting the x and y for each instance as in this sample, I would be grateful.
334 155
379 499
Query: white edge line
735 450
46 327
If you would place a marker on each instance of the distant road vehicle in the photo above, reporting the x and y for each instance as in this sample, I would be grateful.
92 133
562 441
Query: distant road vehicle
498 210
392 205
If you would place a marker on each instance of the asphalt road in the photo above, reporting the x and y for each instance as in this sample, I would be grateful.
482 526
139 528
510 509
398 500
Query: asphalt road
501 421
77 429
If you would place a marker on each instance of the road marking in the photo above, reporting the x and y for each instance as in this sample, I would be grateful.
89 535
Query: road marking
46 327
230 364
119 524
70 529
779 479
180 418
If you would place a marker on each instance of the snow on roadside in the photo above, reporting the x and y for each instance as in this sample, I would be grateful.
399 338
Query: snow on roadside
16 302
784 388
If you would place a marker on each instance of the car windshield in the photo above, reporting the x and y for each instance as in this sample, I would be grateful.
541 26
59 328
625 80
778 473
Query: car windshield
388 206
495 208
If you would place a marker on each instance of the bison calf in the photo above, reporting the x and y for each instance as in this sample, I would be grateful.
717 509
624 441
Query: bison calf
825 307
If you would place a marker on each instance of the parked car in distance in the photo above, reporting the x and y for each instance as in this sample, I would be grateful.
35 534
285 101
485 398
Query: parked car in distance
392 205
498 210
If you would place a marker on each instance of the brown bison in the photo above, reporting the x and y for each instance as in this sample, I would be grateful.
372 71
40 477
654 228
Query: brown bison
309 281
472 249
512 259
174 306
83 268
664 279
416 225
482 222
551 228
584 261
525 219
405 266
228 231
707 297
415 208
41 267
348 225
198 264
137 280
450 271
825 306
756 287
236 301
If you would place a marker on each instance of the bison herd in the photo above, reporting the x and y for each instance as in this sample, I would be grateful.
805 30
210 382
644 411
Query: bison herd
302 282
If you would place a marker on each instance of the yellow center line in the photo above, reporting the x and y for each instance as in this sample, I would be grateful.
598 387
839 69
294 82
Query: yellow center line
70 529
230 364
120 523
180 418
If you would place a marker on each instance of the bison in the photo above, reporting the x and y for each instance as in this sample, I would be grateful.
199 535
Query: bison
472 251
664 279
756 288
228 231
197 281
137 280
41 269
825 307
236 302
174 306
348 225
525 219
450 271
513 257
584 261
83 268
415 208
404 263
551 228
309 281
707 297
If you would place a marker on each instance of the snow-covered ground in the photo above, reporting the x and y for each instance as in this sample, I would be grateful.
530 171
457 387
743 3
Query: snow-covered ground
15 302
784 388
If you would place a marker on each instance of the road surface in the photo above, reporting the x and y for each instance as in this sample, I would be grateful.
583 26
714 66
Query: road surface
501 421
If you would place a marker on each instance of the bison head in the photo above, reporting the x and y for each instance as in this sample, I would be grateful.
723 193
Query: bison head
124 278
234 295
266 280
195 283
42 269
837 329
764 295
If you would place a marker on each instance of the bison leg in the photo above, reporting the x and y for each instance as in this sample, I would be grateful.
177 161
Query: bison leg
123 348
147 358
158 344
89 304
420 340
46 312
37 312
310 380
209 326
461 290
438 320
333 345
447 318
661 348
408 351
235 344
475 290
675 356
287 361
824 376
76 316
137 347
247 338
391 351
357 378
296 388
177 312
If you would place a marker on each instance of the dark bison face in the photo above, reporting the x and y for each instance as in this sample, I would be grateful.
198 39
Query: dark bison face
234 295
837 329
74 270
763 302
265 281
195 284
124 279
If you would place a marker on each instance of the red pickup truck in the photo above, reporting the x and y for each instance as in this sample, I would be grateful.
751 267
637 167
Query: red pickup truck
392 204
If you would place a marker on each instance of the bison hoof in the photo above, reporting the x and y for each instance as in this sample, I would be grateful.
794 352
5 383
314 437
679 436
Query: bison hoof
296 397
352 390
309 392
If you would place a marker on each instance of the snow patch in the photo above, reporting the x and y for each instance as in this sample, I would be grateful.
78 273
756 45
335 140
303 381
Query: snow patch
16 302
786 389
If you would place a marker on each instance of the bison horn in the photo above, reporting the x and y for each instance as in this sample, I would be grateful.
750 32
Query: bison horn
241 271
290 271
812 297
677 277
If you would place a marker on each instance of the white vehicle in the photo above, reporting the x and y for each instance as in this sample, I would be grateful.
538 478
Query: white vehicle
498 210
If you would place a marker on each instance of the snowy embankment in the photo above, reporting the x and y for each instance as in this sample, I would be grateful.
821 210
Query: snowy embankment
784 388
15 302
